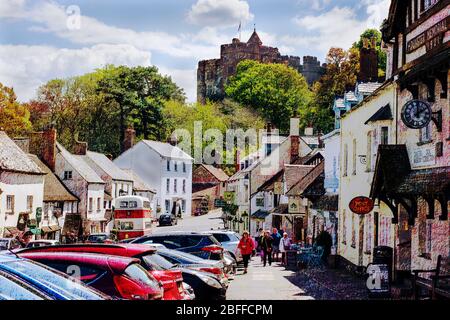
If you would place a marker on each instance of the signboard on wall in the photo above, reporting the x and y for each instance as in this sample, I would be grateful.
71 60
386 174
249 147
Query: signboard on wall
430 38
424 156
294 205
278 188
361 205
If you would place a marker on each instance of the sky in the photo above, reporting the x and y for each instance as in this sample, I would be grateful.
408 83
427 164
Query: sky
45 39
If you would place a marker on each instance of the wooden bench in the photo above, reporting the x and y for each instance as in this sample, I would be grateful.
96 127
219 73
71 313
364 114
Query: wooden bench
437 285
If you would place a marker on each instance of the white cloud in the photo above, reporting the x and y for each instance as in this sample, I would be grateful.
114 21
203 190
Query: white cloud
219 13
12 8
184 78
338 27
27 67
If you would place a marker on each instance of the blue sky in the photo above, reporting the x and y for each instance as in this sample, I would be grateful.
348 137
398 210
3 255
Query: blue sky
45 39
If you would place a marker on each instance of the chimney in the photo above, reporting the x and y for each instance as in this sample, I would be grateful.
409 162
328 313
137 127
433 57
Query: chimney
80 148
23 143
128 141
368 61
309 131
43 144
269 128
238 160
173 140
295 138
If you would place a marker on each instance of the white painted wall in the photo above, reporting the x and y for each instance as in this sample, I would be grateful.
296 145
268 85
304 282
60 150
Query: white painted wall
332 161
20 185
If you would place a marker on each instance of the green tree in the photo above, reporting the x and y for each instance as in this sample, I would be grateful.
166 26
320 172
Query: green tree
276 91
14 116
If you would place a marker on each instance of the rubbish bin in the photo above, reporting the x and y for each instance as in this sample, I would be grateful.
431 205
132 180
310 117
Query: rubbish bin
380 272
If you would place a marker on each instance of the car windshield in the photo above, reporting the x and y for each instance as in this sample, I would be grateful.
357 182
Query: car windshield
136 272
4 244
43 276
184 257
14 290
222 237
99 237
157 262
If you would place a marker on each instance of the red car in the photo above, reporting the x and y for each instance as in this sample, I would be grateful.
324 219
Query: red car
172 280
115 276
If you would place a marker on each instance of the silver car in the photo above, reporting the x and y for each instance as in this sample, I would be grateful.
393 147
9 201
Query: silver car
229 241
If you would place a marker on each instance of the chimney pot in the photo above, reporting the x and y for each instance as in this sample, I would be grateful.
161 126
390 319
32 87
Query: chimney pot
130 136
80 148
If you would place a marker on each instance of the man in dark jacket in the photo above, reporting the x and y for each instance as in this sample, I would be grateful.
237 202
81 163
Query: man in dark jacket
266 246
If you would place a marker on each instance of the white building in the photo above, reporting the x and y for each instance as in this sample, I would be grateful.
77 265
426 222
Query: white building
21 189
167 169
87 185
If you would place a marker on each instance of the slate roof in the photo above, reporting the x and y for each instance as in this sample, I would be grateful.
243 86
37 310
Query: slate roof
12 158
384 113
216 172
295 173
350 96
80 165
269 184
54 189
107 166
328 202
138 183
339 103
303 182
167 150
367 88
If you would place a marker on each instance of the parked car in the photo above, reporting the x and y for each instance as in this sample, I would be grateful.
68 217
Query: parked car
42 243
22 279
115 276
167 219
191 261
9 244
101 238
205 285
203 245
229 241
171 280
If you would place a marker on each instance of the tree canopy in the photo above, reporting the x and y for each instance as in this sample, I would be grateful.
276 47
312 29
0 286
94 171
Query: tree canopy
14 116
276 91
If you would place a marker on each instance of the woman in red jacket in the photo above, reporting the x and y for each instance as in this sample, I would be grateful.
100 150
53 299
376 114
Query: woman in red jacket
246 246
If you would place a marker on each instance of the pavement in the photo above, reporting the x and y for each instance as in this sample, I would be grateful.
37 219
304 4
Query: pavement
275 282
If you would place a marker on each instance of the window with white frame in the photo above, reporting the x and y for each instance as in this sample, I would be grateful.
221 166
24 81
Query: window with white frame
99 204
10 203
184 167
167 185
168 165
167 205
384 135
354 157
183 205
425 133
184 186
175 166
175 185
91 205
67 175
260 202
30 203
427 4
369 152
345 160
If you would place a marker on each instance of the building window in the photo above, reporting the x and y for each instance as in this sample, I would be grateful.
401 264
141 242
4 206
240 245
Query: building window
427 4
260 202
167 205
184 186
175 166
425 134
353 230
344 227
369 152
345 160
30 203
384 236
168 165
369 233
175 185
67 175
99 204
10 203
384 135
183 205
184 167
354 157
91 205
168 185
105 204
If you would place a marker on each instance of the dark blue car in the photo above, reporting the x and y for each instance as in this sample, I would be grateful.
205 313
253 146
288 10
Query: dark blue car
22 279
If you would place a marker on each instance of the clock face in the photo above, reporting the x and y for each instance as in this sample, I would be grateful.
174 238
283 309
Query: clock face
416 114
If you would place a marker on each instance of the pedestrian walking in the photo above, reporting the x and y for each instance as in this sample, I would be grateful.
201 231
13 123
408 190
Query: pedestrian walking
285 245
276 244
266 246
246 246
258 237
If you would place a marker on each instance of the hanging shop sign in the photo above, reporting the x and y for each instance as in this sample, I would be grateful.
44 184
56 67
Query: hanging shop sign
416 114
278 188
361 205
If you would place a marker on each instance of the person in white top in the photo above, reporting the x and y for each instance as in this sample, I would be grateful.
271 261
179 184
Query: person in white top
285 245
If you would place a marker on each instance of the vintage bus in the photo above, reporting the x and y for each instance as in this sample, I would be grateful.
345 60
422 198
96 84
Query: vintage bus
132 217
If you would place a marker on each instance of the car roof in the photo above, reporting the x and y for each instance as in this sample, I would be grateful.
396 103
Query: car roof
7 256
107 262
177 233
121 249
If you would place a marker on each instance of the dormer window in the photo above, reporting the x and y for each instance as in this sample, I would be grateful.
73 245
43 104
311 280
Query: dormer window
67 175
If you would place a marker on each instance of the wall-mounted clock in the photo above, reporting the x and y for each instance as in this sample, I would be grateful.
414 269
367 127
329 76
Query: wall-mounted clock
416 114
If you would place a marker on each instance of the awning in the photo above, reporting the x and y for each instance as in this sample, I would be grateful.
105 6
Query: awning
384 113
260 214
